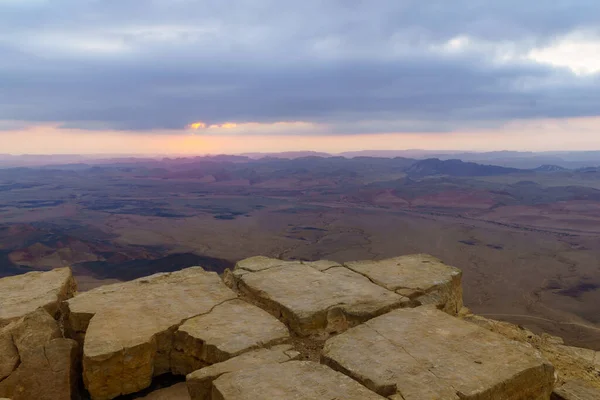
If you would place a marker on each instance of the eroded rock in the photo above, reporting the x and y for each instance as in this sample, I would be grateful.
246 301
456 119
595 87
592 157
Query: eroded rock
425 353
200 382
23 294
129 327
310 300
420 277
228 330
299 380
47 363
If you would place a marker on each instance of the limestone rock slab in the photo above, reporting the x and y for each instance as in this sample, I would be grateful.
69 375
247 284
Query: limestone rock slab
310 300
22 294
228 330
47 363
298 380
421 277
200 382
424 353
576 390
129 327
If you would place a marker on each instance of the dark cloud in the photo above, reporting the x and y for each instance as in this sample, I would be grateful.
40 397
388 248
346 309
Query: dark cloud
357 66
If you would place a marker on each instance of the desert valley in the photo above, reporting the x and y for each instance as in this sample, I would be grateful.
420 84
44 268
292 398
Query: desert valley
527 240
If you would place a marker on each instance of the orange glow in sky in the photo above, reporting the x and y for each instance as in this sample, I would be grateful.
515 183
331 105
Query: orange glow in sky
533 135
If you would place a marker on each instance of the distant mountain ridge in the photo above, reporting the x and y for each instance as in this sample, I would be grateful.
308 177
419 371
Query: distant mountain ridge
435 166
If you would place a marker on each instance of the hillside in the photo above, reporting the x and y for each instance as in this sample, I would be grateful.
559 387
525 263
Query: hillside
435 166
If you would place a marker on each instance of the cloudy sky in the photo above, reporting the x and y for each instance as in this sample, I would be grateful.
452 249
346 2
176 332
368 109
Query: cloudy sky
192 76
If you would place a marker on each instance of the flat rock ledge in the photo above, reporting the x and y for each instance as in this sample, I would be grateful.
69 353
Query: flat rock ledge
298 380
23 294
230 329
200 382
327 297
420 277
163 323
576 390
418 353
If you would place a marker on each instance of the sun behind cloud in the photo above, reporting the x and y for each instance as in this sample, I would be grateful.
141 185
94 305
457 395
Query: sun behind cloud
197 125
203 125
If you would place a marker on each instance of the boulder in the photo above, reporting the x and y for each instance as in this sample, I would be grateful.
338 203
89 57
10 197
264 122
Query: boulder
178 391
299 380
200 382
47 363
311 300
129 327
420 277
228 330
23 294
576 390
423 353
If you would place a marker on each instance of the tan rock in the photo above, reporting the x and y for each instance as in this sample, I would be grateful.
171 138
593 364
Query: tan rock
22 294
424 353
310 301
175 392
130 326
420 277
576 390
298 380
571 363
200 382
228 330
9 355
47 368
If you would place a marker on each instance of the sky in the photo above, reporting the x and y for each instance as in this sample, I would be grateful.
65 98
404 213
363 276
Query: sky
232 76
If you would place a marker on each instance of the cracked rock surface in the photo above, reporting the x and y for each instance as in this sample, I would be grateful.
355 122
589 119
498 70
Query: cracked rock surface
22 294
313 298
200 382
129 327
420 277
298 380
36 361
425 353
230 329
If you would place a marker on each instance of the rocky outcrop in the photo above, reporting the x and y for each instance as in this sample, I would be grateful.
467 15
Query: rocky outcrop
290 380
44 363
571 363
425 353
392 329
129 327
230 329
200 382
23 294
177 322
576 390
312 299
420 277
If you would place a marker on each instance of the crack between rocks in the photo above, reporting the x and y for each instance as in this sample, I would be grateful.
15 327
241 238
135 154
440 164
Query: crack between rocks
175 327
378 284
18 364
458 393
260 270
